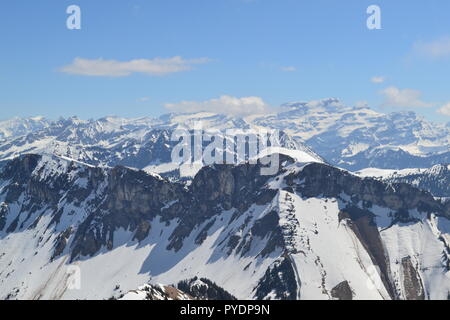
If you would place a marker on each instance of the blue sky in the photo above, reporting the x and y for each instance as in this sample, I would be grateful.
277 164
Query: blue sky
276 50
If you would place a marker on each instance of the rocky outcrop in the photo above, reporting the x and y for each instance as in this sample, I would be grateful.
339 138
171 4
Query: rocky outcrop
328 181
363 225
411 281
155 293
278 283
342 291
204 289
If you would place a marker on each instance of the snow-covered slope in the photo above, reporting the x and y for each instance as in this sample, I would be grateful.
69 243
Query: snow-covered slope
310 231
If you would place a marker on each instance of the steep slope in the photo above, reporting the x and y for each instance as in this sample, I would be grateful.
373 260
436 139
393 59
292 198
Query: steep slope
311 231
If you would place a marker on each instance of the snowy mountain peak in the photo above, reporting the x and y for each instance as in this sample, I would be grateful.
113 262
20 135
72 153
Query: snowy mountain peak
322 105
321 102
21 126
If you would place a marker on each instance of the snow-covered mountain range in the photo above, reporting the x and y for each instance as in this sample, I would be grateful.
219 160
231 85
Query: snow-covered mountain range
353 138
138 143
358 137
310 231
104 200
21 126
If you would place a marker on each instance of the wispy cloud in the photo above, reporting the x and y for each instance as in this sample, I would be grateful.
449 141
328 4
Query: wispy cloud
288 69
403 98
378 79
143 99
114 68
438 48
223 105
445 109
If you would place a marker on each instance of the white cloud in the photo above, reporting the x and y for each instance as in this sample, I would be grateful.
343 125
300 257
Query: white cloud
114 68
143 99
403 98
288 69
378 79
445 109
223 105
438 48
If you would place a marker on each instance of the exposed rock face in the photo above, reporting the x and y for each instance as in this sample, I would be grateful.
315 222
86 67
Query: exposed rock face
204 289
411 281
363 225
129 201
310 231
192 289
278 282
342 291
331 182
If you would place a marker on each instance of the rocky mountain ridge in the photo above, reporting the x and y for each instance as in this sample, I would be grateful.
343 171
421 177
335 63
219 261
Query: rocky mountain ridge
310 231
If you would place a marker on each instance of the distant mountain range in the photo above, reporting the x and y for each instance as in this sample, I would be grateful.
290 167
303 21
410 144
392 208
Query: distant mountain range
353 138
21 126
358 137
138 143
